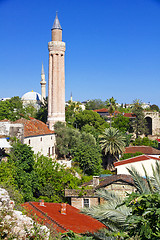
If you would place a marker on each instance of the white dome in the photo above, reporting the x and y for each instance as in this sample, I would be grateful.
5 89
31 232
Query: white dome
32 96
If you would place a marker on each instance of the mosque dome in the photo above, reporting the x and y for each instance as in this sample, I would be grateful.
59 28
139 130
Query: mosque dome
31 96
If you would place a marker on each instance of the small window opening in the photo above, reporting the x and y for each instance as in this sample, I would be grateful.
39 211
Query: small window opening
86 202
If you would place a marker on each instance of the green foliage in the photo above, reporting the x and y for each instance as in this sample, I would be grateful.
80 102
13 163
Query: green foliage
122 123
145 141
73 236
111 105
7 173
112 143
13 109
53 179
70 112
22 157
91 118
154 107
67 139
43 111
138 123
89 158
145 218
130 155
81 147
95 104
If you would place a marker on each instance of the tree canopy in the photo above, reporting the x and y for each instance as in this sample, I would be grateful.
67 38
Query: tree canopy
112 143
139 122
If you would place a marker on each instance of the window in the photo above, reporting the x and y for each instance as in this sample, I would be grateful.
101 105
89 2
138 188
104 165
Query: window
49 152
86 202
29 142
52 150
41 139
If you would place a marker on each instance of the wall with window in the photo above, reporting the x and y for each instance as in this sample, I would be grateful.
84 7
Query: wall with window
45 144
84 202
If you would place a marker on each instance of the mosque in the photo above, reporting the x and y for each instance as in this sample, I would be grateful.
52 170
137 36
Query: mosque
56 79
38 135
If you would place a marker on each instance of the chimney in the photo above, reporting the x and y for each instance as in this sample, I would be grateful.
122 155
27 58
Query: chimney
41 203
95 181
64 208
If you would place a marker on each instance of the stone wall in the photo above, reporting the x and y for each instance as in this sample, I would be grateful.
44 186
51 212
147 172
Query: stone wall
120 188
155 122
12 129
79 202
14 223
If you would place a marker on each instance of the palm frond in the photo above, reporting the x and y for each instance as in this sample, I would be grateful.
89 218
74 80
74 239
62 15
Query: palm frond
155 179
139 181
150 185
108 213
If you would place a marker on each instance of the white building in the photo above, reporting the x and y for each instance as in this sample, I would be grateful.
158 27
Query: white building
38 136
137 162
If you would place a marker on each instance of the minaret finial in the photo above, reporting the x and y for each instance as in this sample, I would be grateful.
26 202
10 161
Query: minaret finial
56 24
42 72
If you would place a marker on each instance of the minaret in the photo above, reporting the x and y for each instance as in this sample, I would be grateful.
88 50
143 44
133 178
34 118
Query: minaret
43 85
56 85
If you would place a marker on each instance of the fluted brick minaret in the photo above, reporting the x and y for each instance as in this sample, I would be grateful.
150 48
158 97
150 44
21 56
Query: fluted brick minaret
56 85
43 85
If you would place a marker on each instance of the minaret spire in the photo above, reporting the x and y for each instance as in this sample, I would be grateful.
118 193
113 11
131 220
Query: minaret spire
43 85
56 24
56 78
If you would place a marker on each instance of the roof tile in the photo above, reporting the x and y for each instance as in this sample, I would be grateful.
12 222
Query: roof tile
73 220
34 127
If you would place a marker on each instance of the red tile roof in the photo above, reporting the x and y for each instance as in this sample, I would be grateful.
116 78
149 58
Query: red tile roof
105 110
135 159
101 110
34 127
129 115
74 220
143 149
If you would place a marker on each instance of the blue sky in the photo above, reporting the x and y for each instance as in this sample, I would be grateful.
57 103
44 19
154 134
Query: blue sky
112 47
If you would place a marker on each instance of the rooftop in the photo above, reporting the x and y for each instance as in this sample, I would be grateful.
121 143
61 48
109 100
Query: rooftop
148 150
51 215
135 159
34 127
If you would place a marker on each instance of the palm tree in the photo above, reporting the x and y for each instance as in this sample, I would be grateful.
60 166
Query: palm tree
114 218
112 143
111 105
112 212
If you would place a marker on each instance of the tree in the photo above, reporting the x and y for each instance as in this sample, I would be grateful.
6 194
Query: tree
23 159
12 109
112 143
53 179
66 140
131 217
91 118
88 155
154 107
111 105
95 104
70 111
81 147
122 123
43 111
145 141
138 123
144 220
